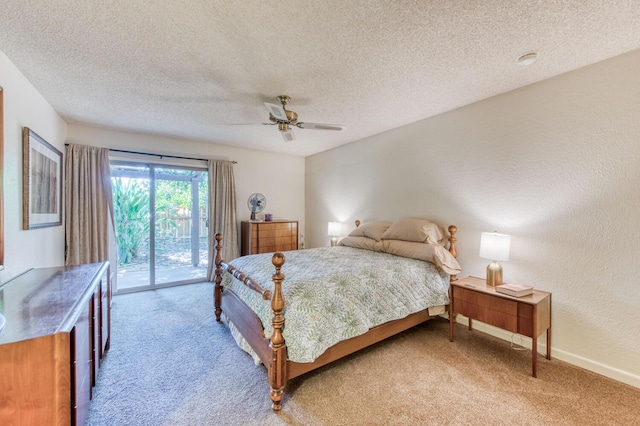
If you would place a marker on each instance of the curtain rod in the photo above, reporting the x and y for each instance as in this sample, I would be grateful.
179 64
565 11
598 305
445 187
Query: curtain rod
160 155
163 156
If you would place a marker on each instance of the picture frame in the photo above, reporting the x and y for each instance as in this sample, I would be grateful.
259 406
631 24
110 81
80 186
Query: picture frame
41 182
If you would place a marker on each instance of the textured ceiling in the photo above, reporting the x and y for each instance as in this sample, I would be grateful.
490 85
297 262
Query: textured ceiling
196 69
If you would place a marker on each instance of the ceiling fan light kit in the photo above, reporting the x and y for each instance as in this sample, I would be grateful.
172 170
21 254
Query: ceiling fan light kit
528 58
285 118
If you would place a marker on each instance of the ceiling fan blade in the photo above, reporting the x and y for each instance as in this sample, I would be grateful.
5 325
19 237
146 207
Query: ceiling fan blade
320 126
277 111
288 136
248 124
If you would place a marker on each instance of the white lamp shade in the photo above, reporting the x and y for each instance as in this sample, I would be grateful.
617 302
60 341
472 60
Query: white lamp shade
335 229
494 246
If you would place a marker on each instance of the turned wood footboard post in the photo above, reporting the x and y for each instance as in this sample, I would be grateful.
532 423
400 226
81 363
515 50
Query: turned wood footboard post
217 297
278 366
452 246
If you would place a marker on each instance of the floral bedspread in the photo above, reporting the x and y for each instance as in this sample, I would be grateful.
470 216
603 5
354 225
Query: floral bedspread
335 293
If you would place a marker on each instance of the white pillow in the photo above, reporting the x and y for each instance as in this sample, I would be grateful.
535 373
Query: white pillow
372 230
434 253
416 230
361 243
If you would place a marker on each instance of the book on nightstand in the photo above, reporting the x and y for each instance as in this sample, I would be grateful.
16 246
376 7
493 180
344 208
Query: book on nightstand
514 289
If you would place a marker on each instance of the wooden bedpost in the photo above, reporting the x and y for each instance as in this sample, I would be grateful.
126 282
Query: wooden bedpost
452 246
217 295
278 366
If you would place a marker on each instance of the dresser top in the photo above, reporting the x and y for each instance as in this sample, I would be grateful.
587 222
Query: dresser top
46 300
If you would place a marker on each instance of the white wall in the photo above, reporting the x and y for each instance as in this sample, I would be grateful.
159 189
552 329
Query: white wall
555 164
25 107
279 177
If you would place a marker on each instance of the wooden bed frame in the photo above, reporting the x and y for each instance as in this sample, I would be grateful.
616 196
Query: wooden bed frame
272 351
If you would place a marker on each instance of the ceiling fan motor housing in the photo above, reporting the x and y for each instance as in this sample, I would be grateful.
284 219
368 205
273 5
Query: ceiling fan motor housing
292 118
284 118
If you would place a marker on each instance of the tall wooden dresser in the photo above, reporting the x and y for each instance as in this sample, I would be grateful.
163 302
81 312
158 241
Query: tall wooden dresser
267 237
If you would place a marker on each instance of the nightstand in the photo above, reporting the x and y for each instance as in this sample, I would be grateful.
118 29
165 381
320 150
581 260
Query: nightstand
528 315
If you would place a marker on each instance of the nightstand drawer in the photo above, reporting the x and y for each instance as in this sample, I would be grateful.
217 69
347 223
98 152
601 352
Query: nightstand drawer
506 306
487 315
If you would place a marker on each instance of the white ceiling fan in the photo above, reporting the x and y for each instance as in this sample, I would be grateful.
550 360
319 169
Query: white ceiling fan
284 118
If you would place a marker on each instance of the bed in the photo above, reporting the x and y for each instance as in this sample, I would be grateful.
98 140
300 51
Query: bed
381 279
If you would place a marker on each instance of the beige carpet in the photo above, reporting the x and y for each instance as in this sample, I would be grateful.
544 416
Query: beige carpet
200 377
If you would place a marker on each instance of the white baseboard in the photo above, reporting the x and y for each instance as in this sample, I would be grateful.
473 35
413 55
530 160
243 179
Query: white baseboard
570 358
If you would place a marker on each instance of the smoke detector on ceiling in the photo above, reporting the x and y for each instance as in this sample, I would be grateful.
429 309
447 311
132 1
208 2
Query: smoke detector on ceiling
528 58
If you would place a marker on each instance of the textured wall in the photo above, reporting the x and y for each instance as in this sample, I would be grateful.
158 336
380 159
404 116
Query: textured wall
555 164
25 107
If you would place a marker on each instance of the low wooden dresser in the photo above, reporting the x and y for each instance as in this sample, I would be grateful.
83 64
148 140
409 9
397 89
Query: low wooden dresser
527 315
267 237
57 329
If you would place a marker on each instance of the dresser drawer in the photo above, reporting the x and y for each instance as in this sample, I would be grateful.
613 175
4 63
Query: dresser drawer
266 245
265 226
81 365
268 232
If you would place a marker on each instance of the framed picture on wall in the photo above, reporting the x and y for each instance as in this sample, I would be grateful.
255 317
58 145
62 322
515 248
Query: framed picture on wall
41 182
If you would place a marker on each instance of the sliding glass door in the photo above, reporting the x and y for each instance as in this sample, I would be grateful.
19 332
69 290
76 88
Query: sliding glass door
161 224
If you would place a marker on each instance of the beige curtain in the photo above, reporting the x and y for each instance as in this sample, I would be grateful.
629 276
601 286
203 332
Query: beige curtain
222 212
89 229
